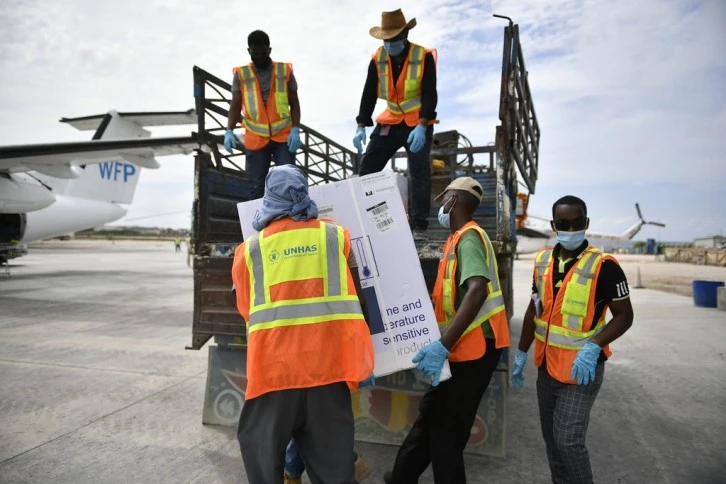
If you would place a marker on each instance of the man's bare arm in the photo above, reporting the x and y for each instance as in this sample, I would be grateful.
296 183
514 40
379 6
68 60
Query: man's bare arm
294 107
235 110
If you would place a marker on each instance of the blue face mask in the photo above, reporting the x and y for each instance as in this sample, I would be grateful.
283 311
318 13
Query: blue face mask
394 47
571 240
445 217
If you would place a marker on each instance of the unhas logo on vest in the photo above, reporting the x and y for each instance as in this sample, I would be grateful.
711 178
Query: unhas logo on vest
300 251
274 256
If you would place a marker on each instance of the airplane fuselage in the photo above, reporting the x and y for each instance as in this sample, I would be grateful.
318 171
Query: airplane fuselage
69 214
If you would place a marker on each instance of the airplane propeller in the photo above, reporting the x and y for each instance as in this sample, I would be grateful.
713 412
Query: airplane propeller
640 216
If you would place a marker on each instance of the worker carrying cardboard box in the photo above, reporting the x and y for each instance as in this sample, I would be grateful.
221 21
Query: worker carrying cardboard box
470 311
308 340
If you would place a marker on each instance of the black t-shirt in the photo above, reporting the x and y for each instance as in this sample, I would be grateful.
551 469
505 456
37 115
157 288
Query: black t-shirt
612 285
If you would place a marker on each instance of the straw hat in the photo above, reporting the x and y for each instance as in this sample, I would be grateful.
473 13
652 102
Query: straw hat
392 24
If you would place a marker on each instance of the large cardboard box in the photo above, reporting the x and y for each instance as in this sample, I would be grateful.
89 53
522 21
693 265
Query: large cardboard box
402 318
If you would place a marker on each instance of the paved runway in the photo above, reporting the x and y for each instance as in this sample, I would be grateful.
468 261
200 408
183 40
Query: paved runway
96 385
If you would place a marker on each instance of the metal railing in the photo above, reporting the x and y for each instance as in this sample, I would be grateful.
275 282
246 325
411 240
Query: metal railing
516 109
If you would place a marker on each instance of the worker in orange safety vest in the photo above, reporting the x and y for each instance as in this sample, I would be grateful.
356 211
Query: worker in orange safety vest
308 341
574 286
403 74
470 310
266 92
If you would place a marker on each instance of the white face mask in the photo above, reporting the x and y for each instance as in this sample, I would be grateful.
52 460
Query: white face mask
445 217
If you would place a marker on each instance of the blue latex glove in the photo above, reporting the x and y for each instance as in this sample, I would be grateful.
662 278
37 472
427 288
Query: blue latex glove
416 139
431 360
359 140
229 141
583 368
368 382
520 359
293 139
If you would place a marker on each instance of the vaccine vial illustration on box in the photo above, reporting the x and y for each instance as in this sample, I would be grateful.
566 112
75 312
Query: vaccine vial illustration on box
368 269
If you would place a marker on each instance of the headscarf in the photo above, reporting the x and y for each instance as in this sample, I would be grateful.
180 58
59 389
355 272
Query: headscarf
286 195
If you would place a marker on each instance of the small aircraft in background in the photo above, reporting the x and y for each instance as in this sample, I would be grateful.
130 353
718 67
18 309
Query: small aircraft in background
50 190
531 240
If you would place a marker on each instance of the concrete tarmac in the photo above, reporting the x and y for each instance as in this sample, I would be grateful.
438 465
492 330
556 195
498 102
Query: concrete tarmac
96 387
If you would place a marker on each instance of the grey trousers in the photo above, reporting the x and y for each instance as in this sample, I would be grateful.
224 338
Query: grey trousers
564 412
320 419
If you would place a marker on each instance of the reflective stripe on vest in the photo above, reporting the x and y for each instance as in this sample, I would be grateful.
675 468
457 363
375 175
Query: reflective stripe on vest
412 81
577 292
562 337
337 303
493 304
250 89
252 96
542 265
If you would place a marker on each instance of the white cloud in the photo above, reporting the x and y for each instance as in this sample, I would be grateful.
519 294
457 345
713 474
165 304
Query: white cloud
624 91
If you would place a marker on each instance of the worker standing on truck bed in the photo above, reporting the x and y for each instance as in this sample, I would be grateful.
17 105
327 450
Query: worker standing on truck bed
469 307
404 75
574 285
308 341
266 92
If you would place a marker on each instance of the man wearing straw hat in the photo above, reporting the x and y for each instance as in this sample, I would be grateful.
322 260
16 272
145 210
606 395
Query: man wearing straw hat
404 75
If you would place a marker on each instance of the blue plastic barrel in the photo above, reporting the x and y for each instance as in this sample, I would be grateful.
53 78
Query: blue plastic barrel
705 293
650 247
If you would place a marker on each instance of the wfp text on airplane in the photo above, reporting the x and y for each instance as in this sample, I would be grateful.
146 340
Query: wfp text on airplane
110 170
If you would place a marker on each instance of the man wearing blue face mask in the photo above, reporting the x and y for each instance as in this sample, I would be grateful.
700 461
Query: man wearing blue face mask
469 308
404 75
574 285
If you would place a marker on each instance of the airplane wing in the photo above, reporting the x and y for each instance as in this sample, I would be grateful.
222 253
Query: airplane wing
61 160
157 118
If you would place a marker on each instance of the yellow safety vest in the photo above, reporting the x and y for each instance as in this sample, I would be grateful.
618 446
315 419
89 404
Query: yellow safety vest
305 323
493 308
265 120
411 80
560 329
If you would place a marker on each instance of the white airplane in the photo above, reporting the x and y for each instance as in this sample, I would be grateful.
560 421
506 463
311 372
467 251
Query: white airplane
48 190
531 240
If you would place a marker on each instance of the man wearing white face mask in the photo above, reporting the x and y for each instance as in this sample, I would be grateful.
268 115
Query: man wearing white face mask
469 308
404 75
574 285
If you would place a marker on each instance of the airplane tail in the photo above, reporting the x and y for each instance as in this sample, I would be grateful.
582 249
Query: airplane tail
115 180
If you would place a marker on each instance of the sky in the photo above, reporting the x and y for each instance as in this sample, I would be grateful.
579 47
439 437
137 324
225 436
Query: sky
630 95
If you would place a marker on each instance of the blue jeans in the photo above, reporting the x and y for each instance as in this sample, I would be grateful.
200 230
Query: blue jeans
258 164
382 147
294 465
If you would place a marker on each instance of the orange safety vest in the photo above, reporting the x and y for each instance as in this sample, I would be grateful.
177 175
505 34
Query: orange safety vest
472 344
403 100
264 122
304 320
563 326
